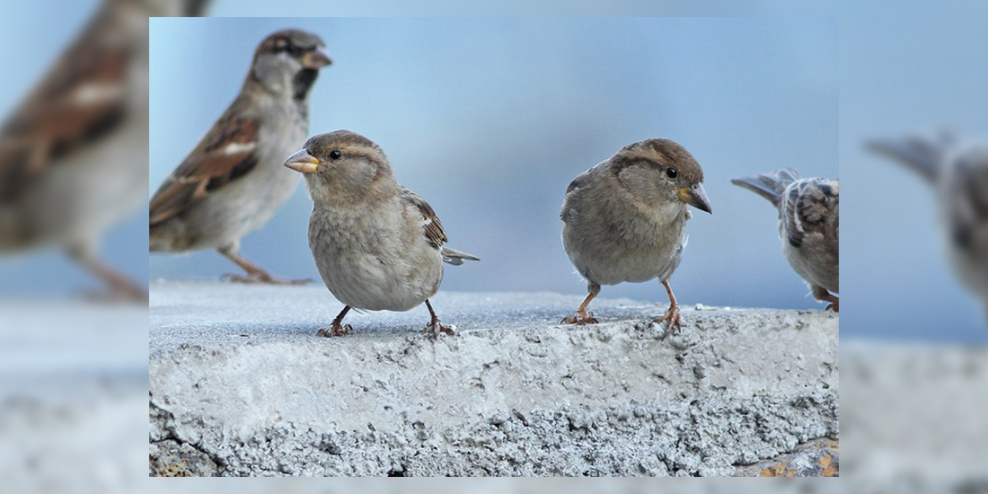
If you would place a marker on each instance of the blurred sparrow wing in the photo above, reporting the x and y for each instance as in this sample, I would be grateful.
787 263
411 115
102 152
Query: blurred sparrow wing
226 153
968 188
81 99
808 205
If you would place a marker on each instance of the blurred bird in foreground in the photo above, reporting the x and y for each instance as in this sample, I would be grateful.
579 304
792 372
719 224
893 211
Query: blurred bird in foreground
625 220
809 226
377 245
958 173
74 154
233 181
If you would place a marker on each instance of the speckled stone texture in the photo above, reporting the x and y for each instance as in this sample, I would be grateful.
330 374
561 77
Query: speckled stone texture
240 385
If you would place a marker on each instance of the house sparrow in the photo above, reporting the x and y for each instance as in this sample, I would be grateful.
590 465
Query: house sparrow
809 225
233 181
625 220
73 155
377 245
959 173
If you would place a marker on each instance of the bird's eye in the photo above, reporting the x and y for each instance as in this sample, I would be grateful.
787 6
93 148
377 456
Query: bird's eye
335 154
672 173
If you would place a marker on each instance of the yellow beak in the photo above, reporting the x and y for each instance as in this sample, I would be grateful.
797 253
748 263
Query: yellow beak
302 162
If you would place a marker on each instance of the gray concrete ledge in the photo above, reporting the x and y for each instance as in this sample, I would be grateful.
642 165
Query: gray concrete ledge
239 385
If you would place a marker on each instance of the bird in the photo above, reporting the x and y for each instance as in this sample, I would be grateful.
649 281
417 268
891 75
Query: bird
376 244
809 227
624 220
957 169
73 154
233 181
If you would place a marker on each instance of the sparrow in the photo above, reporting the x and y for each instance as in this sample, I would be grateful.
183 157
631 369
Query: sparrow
233 181
73 155
624 220
809 226
958 171
377 245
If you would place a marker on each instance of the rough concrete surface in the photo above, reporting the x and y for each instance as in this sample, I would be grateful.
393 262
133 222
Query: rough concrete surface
240 385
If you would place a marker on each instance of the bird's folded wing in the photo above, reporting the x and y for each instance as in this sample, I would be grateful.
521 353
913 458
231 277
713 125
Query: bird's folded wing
807 207
431 226
225 154
81 99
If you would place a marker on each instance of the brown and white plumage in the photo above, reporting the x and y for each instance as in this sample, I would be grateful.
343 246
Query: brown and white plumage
233 181
809 226
73 155
377 245
624 220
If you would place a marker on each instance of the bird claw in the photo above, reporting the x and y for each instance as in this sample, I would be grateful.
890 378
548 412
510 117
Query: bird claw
834 307
435 327
257 278
336 330
672 318
580 319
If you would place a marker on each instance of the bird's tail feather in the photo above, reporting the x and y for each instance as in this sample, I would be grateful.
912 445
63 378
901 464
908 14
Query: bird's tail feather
455 257
771 186
921 153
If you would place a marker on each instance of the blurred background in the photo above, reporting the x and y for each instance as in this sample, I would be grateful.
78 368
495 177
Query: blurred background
905 70
490 119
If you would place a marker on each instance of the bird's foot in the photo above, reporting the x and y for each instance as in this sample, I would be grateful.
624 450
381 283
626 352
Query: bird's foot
672 318
258 278
435 327
581 318
335 330
835 307
116 296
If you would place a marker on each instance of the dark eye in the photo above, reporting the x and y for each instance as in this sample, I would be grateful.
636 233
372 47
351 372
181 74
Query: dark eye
672 173
335 154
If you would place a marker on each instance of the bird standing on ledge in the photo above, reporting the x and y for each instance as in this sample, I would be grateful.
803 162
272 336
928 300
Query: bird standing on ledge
377 245
809 225
625 220
233 181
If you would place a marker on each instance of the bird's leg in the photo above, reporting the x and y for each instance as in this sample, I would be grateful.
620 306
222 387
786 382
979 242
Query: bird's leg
583 316
435 327
824 295
338 328
255 274
121 288
671 317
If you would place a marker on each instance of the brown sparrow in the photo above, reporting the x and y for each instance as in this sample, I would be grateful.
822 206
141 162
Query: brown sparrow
809 226
624 220
73 155
958 171
233 181
377 245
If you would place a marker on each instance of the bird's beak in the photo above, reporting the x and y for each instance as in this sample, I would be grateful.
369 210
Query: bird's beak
302 162
316 59
696 197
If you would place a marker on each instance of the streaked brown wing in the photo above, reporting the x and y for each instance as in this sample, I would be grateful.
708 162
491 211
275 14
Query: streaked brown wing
79 101
808 204
226 153
432 227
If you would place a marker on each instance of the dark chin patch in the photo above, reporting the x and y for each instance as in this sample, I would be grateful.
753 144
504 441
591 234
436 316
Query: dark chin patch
302 82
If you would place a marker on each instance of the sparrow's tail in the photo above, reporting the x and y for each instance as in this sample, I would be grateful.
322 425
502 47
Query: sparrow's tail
771 186
921 153
456 257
